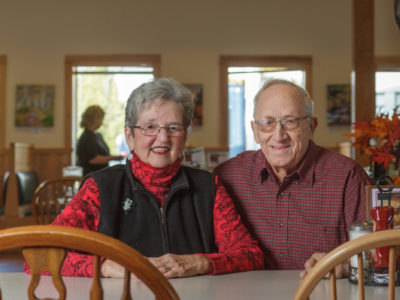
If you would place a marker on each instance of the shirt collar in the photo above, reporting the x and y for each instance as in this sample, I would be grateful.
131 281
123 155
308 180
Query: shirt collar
305 172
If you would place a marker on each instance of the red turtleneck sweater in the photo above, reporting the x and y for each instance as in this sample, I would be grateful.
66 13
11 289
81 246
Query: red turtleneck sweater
237 250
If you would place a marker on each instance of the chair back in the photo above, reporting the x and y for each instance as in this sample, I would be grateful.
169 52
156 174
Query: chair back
4 192
384 238
51 197
20 162
27 184
45 247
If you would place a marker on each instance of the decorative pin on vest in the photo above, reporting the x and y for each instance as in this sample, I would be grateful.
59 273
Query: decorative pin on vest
128 206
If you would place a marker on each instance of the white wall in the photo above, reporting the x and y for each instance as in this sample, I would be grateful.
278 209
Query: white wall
35 35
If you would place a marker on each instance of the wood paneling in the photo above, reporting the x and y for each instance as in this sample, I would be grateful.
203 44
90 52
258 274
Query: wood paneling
3 62
98 60
47 163
293 62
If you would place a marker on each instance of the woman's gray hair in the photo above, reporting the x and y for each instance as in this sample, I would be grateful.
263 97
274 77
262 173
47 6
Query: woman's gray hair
155 91
309 103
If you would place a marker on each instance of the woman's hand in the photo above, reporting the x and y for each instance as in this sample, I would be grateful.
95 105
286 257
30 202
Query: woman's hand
172 265
111 269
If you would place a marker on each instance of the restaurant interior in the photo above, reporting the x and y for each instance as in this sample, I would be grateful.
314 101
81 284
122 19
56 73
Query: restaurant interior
334 43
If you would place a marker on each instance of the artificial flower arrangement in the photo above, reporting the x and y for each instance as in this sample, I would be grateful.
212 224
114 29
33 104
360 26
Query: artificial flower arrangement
379 138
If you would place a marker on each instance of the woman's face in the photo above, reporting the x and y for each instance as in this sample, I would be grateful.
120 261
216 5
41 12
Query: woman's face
97 124
162 149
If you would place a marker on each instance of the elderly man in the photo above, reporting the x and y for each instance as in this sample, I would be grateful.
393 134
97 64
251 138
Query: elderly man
297 198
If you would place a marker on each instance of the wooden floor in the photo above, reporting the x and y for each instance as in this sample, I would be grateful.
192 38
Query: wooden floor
11 262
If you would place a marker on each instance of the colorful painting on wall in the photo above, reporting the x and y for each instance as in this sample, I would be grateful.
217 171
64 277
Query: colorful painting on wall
339 103
197 92
34 106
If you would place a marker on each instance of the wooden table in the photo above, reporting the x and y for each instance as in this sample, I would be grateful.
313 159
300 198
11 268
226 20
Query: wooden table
253 285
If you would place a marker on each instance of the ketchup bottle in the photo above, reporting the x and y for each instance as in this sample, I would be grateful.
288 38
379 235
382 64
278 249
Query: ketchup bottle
383 219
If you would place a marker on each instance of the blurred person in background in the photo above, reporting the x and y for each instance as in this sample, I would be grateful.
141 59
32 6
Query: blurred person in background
92 151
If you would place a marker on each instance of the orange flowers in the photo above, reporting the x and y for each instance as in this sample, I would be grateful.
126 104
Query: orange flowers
379 138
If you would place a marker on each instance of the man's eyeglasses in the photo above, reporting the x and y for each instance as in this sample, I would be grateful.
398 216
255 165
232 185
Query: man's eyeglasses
288 123
154 129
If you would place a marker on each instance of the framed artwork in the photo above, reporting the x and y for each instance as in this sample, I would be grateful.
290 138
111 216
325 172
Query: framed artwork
372 201
34 106
197 92
339 103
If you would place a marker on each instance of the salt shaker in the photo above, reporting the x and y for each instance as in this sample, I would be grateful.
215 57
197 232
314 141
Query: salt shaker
357 230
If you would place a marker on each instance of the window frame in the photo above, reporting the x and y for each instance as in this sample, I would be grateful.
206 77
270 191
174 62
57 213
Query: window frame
72 61
387 63
227 61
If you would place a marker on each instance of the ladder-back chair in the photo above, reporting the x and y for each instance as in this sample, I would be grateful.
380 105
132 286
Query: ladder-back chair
45 248
51 197
384 238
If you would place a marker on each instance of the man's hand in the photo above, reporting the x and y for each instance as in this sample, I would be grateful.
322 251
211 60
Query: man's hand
172 265
341 270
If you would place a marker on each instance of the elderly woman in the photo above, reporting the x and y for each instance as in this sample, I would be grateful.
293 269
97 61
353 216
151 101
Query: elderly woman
181 218
92 151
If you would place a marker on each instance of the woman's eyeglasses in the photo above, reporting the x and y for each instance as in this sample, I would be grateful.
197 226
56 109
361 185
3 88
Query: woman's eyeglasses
154 129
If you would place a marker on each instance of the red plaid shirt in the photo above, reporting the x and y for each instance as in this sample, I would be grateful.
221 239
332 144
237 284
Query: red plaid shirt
308 212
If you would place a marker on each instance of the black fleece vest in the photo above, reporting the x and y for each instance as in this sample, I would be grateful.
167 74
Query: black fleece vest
131 214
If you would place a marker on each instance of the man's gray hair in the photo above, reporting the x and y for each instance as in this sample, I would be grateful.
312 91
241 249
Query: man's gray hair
309 103
154 91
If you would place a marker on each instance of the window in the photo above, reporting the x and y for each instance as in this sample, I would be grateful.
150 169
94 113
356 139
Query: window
387 84
106 81
241 79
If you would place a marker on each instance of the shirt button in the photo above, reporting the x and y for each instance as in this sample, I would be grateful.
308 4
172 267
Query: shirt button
297 183
282 194
281 255
280 224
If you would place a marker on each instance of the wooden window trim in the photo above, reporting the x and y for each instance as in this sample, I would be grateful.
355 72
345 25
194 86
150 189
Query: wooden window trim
99 60
387 63
3 64
301 62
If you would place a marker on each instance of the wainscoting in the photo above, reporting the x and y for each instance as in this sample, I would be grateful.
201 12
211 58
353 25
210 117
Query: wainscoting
47 163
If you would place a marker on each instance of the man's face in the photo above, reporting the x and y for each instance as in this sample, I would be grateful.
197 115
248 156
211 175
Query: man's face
283 149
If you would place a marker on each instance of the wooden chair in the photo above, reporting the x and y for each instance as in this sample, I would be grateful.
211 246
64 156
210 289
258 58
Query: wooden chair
390 238
20 162
51 196
45 247
4 192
